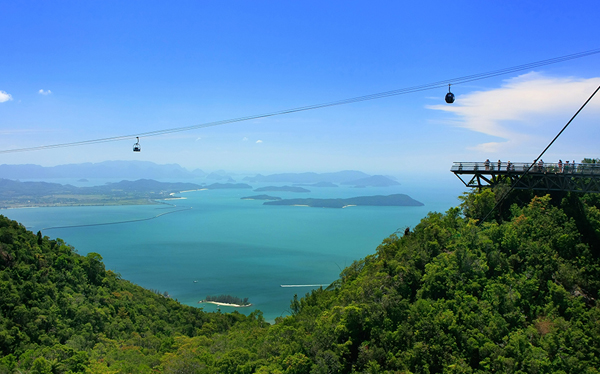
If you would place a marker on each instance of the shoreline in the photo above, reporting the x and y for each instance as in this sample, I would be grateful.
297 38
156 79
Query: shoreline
224 304
302 285
199 189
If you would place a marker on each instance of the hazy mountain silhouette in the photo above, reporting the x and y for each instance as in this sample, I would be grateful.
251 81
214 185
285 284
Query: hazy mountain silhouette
106 169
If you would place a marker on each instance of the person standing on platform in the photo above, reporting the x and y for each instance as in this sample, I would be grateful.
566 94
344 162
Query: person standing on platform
487 164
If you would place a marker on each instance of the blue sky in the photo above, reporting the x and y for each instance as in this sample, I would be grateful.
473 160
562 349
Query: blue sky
72 71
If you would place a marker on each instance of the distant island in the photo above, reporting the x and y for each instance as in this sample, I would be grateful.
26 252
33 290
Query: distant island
226 300
261 197
336 177
379 200
373 181
318 184
282 188
346 177
227 186
220 175
15 194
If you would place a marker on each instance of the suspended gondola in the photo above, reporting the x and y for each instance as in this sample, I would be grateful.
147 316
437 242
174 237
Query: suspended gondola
137 147
449 96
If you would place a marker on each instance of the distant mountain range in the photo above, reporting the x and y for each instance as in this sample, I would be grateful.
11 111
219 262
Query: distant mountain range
107 169
220 175
133 170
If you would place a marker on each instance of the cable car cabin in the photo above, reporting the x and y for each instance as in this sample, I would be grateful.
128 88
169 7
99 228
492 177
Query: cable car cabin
137 147
449 96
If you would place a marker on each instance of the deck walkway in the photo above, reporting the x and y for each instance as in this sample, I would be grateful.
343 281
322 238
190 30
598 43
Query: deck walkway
545 177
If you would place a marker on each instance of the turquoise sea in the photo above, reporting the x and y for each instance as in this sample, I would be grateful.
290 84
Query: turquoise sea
215 243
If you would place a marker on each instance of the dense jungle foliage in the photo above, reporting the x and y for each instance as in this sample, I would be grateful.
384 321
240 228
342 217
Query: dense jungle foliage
61 312
517 293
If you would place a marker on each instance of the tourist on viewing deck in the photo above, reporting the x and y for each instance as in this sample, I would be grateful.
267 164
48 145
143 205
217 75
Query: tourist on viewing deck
560 169
487 164
508 165
566 166
499 164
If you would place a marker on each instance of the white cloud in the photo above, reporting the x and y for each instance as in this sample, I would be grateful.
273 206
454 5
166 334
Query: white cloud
4 96
198 138
520 107
259 141
42 92
245 139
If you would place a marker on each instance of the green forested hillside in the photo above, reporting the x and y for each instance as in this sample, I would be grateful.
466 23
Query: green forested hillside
517 294
60 310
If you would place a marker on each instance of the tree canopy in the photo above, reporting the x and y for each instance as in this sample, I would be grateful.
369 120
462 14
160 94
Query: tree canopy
517 293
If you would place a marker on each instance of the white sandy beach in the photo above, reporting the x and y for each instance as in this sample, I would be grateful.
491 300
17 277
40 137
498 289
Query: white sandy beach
224 304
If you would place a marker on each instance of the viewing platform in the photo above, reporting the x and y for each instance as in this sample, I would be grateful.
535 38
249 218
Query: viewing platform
542 176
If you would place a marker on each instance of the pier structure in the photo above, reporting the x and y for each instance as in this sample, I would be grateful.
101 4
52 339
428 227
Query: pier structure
542 176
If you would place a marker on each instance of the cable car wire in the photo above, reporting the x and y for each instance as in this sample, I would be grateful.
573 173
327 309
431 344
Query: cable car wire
512 187
380 95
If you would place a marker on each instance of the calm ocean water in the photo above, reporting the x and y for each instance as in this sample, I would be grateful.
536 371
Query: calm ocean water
223 245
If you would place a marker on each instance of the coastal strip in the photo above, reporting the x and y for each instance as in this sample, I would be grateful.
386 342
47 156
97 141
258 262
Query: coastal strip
199 189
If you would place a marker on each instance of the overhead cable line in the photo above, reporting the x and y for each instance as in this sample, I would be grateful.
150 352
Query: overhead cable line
380 95
512 187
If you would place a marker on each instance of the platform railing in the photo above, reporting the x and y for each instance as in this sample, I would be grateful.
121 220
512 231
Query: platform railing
521 167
